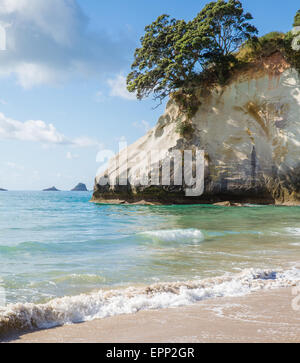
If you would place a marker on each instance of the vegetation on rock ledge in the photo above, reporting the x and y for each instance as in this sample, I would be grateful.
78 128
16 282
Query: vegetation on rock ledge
178 57
174 52
297 19
267 45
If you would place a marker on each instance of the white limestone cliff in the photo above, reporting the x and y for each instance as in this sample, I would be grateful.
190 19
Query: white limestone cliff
249 130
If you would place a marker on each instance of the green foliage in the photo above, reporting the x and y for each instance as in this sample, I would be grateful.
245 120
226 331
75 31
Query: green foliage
226 25
174 53
176 57
159 66
185 129
261 47
292 56
269 44
297 19
187 101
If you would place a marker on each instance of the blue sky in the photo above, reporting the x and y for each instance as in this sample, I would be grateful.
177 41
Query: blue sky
62 94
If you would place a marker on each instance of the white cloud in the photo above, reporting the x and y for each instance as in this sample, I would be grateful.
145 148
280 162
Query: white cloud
119 89
30 74
38 131
48 41
56 18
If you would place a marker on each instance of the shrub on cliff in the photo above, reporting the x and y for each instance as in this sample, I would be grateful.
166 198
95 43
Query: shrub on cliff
291 55
174 53
261 47
297 19
267 45
185 128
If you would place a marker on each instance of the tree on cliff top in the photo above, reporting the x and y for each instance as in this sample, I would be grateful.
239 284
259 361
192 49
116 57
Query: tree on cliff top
226 24
160 65
174 53
297 19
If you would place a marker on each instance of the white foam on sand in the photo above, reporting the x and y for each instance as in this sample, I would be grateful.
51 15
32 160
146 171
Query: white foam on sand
104 304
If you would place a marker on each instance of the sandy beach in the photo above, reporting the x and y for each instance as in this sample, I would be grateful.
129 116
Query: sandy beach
265 316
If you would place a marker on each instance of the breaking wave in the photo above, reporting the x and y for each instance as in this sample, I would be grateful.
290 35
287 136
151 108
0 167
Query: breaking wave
102 304
293 231
176 235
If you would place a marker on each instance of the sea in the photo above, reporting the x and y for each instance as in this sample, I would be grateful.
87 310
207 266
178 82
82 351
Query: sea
66 260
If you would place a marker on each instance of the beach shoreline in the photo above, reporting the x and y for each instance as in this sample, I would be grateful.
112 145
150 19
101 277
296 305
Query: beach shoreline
263 316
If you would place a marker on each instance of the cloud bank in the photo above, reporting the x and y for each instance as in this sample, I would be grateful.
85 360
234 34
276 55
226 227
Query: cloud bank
38 131
49 41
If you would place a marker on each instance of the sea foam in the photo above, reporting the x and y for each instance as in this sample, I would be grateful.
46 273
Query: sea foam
102 304
176 235
293 231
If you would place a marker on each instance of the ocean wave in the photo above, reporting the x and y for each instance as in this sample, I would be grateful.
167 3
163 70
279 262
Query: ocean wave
176 235
293 231
52 247
102 304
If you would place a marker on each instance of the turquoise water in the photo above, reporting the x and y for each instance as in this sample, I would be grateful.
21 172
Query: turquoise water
59 244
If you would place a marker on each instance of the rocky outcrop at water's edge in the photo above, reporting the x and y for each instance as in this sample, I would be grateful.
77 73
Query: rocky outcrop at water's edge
249 131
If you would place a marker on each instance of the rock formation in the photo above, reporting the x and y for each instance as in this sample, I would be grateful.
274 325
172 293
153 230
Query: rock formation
249 130
80 188
53 189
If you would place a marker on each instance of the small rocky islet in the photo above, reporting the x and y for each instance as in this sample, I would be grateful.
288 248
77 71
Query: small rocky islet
80 187
52 189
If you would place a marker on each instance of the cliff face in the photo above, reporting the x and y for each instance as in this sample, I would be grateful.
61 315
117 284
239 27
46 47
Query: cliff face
249 131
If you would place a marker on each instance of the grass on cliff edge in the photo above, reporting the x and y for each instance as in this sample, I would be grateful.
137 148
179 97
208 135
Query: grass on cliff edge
267 45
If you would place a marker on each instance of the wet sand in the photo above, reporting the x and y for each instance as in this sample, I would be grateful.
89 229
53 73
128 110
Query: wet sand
265 316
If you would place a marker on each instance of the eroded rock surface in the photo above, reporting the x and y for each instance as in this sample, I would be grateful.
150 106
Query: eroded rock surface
249 131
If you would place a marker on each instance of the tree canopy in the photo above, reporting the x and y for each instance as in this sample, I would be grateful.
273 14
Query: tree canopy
297 19
174 52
